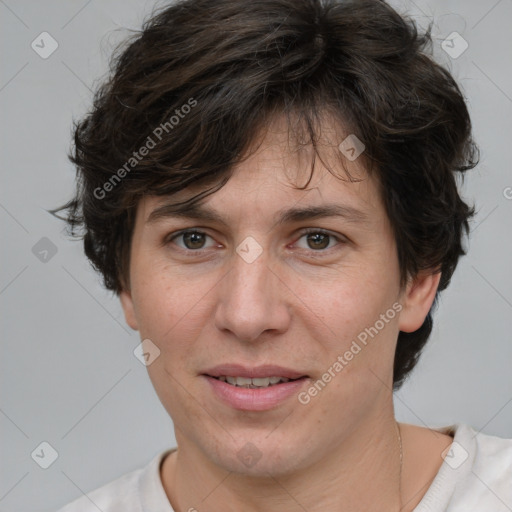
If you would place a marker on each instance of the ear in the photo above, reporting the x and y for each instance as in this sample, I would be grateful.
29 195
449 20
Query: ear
129 311
417 299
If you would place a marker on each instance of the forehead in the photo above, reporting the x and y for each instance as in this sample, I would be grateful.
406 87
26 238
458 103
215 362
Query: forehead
268 180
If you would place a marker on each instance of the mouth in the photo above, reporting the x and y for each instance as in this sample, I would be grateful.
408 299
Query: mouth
255 382
259 388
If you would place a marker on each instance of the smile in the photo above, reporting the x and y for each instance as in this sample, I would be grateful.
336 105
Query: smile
254 393
256 382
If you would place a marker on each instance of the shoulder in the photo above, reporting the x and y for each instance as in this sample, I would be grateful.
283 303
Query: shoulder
481 465
124 494
475 475
117 495
492 465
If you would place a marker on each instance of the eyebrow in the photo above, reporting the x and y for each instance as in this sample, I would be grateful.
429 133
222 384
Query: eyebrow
291 215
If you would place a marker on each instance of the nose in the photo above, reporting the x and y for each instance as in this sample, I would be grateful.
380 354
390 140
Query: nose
252 299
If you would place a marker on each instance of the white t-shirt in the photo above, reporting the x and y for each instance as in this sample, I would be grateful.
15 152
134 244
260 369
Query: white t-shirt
475 476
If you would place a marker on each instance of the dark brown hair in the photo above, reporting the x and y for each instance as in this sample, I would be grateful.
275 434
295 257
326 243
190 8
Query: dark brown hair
201 80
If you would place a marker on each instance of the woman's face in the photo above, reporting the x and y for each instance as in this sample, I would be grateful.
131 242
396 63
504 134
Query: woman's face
252 288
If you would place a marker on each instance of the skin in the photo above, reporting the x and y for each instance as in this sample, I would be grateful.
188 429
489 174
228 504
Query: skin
298 306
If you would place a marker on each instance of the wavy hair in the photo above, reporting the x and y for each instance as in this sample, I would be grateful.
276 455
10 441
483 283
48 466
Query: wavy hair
201 79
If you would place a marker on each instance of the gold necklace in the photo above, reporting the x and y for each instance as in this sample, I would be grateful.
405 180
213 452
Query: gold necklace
401 463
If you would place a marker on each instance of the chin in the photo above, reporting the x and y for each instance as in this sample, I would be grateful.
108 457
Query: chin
259 458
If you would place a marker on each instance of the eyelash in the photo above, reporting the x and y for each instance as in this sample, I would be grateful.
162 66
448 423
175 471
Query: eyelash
196 252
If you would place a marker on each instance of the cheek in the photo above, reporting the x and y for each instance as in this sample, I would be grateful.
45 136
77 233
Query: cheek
359 346
358 319
169 304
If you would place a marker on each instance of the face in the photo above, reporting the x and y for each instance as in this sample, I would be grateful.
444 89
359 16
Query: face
318 296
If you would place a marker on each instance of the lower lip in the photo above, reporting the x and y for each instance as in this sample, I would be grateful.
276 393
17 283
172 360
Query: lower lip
253 399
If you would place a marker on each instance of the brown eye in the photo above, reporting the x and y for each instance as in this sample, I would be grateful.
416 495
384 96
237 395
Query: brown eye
319 240
192 240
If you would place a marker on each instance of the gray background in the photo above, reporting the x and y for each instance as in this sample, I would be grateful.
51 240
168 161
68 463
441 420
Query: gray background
69 376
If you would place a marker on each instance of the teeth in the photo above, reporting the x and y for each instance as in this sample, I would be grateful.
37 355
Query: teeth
239 381
261 382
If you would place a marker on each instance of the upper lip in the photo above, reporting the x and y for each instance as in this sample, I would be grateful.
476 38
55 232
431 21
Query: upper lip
238 370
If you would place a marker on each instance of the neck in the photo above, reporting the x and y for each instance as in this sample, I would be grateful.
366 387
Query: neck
362 471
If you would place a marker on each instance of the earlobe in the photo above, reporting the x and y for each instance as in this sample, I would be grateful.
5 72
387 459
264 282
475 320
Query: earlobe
129 311
417 300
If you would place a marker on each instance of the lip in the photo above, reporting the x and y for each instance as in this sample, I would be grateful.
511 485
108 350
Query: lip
238 370
253 399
